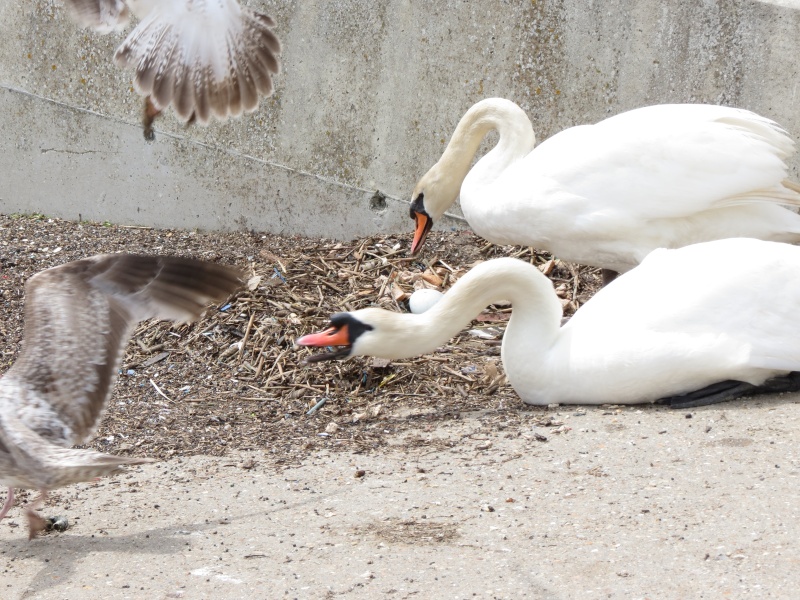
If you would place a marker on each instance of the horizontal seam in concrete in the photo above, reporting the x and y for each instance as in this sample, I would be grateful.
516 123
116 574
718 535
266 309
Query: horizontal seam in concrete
218 149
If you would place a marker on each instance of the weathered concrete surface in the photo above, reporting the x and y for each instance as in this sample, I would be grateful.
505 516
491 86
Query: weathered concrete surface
630 503
370 92
57 168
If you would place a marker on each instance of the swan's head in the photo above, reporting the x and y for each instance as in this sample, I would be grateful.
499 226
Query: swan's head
341 334
369 332
432 196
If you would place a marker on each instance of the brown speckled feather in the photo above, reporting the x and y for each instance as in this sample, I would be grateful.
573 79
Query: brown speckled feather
208 58
78 318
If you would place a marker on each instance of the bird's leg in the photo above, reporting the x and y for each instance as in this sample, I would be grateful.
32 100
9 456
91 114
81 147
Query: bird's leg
150 114
36 524
9 503
730 390
782 383
711 394
608 276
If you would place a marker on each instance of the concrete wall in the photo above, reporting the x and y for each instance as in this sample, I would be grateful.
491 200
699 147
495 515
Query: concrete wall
369 95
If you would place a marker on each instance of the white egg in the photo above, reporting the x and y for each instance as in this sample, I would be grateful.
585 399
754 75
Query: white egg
423 299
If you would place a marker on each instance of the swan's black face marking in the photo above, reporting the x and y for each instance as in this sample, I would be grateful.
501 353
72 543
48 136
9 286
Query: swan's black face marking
418 206
342 331
423 220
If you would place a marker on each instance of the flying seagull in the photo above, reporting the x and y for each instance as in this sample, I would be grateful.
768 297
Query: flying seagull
78 319
207 58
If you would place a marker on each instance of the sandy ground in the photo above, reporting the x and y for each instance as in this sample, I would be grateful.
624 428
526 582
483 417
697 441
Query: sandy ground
619 502
428 498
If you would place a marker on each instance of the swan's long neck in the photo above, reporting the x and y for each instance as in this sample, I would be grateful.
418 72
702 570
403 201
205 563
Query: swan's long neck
442 183
535 320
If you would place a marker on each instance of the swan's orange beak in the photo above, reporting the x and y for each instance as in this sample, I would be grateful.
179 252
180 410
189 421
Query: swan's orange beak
424 223
332 336
343 331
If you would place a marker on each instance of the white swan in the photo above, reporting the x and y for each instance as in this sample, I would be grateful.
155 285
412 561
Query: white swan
78 318
606 195
207 58
720 314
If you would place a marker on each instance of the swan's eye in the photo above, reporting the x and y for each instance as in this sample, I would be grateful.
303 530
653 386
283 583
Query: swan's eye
417 206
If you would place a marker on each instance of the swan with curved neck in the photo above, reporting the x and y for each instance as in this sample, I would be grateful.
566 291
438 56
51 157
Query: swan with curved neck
718 314
606 195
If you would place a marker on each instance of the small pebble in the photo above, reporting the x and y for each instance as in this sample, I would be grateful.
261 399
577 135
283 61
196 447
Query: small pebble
56 523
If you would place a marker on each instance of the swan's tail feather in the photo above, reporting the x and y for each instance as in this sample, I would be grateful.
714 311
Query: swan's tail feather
788 194
788 183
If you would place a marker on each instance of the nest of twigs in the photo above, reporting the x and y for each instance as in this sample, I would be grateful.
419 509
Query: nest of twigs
234 379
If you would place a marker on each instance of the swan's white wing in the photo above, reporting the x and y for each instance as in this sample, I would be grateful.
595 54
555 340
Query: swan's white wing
78 318
103 16
740 294
206 57
746 120
669 161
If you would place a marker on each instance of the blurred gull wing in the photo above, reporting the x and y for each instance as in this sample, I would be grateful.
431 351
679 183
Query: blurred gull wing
28 460
78 318
206 57
103 16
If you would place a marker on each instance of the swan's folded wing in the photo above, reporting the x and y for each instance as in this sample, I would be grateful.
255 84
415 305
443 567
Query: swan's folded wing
206 58
671 161
103 16
79 316
740 294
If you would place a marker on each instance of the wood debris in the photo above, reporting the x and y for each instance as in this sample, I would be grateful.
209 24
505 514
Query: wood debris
234 379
